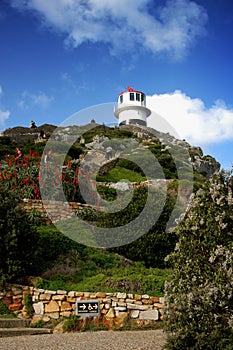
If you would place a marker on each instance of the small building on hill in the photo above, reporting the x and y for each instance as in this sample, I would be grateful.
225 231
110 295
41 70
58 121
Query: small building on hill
131 108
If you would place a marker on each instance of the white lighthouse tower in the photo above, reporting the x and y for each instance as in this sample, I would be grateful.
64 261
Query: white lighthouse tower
131 108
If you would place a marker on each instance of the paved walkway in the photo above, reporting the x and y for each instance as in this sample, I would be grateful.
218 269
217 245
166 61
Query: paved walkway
104 340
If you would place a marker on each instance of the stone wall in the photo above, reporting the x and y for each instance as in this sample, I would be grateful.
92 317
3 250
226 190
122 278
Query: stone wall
115 307
58 210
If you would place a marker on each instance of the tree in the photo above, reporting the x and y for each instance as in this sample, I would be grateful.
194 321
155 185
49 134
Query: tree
18 239
199 297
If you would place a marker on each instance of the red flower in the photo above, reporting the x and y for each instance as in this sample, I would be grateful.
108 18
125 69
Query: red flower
76 180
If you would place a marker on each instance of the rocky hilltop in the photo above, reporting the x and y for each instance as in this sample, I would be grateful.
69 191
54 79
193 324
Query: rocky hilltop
95 143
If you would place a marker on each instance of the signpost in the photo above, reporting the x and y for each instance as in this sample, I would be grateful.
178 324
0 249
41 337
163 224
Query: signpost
88 308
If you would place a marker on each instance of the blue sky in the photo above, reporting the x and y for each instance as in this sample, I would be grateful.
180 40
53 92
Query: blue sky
61 56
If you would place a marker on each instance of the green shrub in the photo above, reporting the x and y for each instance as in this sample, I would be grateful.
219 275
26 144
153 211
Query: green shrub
28 304
71 324
199 296
18 239
38 324
4 311
107 193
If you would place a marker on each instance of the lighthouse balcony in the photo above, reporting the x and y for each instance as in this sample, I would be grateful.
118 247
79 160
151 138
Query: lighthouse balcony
133 122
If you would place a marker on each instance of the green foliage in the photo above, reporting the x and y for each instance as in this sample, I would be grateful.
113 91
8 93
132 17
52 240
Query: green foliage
54 283
153 246
199 296
125 163
6 146
18 238
38 324
4 311
33 147
199 181
119 173
51 245
28 304
132 279
111 133
68 265
156 244
165 159
106 192
71 324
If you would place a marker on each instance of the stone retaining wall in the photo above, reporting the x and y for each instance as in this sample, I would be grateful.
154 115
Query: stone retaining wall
115 307
58 210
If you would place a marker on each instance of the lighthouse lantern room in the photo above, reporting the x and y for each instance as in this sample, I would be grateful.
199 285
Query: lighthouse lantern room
131 108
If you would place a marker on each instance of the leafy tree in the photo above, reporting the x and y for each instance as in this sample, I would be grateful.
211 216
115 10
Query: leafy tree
199 297
155 245
18 239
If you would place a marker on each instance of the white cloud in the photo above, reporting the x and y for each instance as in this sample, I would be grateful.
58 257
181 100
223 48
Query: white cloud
191 119
4 115
124 25
40 100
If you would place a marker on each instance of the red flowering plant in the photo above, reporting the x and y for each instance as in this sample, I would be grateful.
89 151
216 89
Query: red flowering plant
32 176
78 185
21 178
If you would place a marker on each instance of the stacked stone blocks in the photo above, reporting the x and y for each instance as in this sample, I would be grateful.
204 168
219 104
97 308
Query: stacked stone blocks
115 307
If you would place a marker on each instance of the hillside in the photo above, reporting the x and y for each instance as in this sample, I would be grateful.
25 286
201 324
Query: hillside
134 266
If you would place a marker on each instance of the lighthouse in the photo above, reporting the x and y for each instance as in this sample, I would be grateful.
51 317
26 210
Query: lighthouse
131 108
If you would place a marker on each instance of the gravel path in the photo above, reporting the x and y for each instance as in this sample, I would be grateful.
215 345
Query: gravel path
111 340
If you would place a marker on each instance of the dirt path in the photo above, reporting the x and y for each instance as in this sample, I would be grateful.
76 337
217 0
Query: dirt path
104 340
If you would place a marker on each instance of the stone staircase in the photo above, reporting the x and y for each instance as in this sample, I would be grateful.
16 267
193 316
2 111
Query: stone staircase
10 327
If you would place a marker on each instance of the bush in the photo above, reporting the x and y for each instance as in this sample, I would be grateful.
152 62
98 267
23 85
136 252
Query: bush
199 297
18 239
28 304
71 324
4 311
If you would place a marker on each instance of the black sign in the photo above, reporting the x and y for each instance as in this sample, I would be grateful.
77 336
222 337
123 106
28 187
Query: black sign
87 308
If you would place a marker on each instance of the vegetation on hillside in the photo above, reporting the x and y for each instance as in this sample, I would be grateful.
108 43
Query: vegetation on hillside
18 239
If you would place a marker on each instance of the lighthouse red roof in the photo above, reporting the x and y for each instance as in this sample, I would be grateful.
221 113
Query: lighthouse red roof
130 89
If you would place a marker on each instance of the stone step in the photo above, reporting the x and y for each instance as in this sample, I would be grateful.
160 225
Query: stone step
13 323
10 327
11 332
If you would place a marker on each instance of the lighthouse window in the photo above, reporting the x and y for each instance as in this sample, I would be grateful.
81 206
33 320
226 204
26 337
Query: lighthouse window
131 96
121 98
142 97
137 97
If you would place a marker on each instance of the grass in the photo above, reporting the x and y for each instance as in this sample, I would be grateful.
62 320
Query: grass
68 265
118 174
131 279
